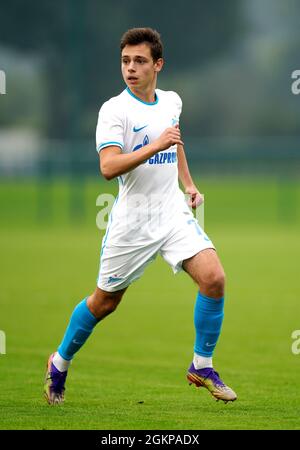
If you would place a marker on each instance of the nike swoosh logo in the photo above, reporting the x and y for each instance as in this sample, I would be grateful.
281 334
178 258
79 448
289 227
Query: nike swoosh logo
210 345
135 130
76 342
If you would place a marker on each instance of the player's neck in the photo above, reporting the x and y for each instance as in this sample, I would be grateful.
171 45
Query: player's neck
146 95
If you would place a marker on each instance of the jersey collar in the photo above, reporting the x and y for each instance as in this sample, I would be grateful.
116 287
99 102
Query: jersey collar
142 101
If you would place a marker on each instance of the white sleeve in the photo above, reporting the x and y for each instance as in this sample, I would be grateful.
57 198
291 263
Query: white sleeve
110 128
178 103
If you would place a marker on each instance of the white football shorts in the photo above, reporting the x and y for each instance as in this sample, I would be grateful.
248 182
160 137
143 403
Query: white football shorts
121 263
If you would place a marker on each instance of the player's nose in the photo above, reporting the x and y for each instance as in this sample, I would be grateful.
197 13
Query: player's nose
131 67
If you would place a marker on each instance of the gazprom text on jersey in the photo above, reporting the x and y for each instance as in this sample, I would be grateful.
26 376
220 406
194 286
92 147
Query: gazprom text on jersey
163 158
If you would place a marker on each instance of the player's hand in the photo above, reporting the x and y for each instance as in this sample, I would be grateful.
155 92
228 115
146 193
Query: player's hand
171 136
195 198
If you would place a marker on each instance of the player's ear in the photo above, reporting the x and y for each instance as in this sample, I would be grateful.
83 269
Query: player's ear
158 65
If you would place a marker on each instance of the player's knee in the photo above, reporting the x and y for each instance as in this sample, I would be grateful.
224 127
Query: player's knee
215 283
111 305
101 305
108 306
219 283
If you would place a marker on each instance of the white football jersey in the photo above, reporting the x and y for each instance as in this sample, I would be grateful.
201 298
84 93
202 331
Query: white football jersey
149 198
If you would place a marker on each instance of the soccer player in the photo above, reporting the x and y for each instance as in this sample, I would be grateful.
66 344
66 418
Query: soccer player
139 142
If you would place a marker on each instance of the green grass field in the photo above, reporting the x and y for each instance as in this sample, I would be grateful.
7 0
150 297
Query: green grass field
131 373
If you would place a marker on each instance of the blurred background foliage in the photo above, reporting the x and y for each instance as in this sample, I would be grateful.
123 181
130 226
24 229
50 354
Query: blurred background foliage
230 61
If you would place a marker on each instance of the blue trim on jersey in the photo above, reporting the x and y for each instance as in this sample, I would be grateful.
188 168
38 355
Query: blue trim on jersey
142 101
106 144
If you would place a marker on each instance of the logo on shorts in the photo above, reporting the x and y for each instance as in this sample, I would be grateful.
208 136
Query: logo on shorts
114 279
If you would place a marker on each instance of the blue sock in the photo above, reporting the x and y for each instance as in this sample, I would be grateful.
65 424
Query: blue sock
208 318
80 327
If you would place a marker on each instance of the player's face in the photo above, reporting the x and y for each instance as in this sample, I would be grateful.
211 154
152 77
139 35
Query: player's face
138 68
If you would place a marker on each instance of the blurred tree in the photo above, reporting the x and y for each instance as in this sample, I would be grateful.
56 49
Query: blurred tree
79 41
192 31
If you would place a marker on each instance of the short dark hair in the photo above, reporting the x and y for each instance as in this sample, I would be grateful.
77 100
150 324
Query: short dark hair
136 36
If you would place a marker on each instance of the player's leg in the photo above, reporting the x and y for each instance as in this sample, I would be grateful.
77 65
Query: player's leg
189 248
206 270
119 267
84 318
102 303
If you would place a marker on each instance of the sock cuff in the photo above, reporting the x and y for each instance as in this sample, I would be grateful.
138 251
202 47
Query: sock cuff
85 314
211 303
63 355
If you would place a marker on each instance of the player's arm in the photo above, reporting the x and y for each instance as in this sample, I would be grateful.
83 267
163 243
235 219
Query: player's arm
186 179
114 163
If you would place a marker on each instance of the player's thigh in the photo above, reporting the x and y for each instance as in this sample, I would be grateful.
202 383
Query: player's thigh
186 240
205 267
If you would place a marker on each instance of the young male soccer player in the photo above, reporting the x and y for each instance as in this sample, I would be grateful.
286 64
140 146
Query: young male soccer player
139 142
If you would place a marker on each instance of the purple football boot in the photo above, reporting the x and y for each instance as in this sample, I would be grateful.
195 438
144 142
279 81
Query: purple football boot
210 379
54 389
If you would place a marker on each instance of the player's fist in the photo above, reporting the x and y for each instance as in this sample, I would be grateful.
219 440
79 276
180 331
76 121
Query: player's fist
171 136
195 198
